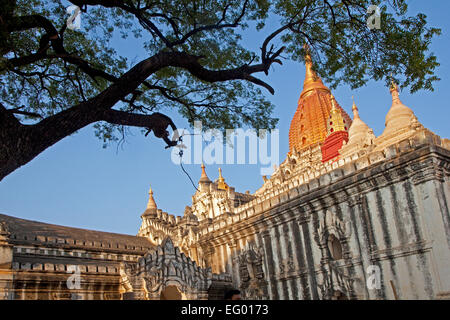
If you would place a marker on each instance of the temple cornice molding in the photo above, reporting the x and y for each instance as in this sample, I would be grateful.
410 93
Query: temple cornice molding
310 201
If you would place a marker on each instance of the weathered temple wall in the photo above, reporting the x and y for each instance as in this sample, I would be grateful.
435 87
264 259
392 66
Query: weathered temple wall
317 234
392 214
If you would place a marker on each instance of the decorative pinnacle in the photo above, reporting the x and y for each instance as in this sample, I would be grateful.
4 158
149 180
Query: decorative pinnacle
312 80
355 109
204 177
221 183
151 202
333 103
310 75
394 91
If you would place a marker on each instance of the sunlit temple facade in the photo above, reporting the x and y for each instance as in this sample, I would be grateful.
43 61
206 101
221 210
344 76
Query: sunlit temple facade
347 215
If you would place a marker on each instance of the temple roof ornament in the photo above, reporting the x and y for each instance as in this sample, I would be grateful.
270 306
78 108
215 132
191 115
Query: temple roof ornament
360 135
400 123
309 124
337 134
151 204
204 177
336 121
399 116
221 184
312 80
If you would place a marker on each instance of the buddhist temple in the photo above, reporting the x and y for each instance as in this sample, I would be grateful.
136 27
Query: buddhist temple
346 216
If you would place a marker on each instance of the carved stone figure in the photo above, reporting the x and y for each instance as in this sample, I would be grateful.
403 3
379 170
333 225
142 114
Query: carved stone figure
251 273
335 284
170 268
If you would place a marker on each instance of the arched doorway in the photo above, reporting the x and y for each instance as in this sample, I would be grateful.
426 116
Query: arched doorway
172 293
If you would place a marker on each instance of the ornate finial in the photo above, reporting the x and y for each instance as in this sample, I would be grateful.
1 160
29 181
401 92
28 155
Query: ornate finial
309 127
310 74
312 80
151 202
335 121
355 109
393 85
394 91
204 177
222 184
333 102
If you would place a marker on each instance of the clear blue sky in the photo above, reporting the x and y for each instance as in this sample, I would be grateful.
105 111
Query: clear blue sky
77 183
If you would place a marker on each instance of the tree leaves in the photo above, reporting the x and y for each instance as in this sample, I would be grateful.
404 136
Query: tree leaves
344 51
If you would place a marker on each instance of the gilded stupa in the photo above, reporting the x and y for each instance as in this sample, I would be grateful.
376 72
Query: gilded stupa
221 184
310 122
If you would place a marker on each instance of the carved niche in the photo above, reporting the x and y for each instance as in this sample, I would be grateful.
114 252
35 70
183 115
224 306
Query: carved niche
333 235
332 228
251 273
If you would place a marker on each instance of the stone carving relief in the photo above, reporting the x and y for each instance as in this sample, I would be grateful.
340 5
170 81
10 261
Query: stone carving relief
162 267
334 284
251 273
224 205
331 224
201 209
333 235
287 266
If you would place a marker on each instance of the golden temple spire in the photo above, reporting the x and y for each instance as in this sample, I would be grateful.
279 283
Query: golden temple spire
333 103
221 182
310 122
336 122
312 80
